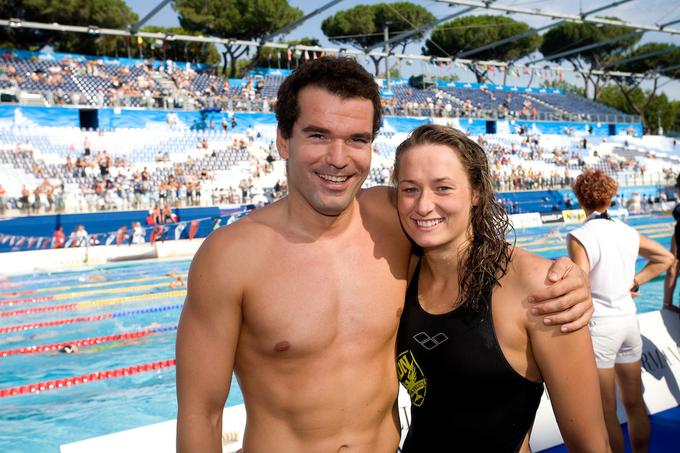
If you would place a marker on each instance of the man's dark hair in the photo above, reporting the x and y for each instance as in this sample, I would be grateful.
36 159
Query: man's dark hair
341 76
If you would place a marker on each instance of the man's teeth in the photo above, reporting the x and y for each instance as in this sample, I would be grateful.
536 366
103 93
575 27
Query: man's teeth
428 223
332 178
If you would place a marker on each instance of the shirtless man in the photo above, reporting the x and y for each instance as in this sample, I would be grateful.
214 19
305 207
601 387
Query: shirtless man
301 299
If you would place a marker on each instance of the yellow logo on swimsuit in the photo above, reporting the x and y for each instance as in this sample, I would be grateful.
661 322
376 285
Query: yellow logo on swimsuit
412 377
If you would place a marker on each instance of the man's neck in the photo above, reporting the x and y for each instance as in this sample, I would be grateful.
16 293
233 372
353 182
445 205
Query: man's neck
310 224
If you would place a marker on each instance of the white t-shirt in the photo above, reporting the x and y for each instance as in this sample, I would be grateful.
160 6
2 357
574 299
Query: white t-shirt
612 248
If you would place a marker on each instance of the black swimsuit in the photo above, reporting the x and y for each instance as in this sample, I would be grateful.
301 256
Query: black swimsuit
464 394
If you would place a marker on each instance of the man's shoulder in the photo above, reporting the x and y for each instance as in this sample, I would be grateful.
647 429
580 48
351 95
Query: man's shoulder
239 245
378 200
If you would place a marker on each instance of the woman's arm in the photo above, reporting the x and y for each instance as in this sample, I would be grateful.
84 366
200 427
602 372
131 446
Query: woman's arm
659 258
567 364
671 278
578 254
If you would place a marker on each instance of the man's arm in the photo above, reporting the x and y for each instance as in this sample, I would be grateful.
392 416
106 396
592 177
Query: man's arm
207 336
567 300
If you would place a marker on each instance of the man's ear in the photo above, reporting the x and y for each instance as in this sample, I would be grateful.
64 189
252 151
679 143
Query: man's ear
281 144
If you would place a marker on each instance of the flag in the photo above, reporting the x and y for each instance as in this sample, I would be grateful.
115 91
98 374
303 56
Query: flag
193 228
178 230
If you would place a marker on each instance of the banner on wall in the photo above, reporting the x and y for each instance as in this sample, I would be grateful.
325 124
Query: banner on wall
551 217
574 216
529 220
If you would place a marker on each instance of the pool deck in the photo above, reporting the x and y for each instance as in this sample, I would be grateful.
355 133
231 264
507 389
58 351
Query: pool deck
15 263
660 376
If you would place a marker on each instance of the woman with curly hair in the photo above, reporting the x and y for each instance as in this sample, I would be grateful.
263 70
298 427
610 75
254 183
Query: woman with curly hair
470 354
607 249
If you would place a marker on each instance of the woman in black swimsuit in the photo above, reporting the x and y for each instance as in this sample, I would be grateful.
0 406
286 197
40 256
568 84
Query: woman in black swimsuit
470 354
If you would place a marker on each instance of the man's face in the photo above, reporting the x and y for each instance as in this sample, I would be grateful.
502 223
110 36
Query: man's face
329 150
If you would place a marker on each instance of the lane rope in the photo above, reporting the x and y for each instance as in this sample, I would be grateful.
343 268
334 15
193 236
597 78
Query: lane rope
93 318
124 289
86 341
94 303
88 285
55 384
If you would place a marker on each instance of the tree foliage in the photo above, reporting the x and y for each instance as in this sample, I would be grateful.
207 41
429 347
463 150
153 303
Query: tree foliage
472 32
237 19
572 36
363 26
647 59
659 111
101 13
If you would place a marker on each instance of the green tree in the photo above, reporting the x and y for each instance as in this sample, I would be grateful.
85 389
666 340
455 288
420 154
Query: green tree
572 36
658 111
646 59
101 13
364 26
472 32
237 19
563 85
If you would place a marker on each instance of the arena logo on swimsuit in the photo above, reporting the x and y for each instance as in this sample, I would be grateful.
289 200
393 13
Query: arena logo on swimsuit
412 377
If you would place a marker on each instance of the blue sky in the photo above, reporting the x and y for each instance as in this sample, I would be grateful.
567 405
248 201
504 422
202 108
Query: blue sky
637 11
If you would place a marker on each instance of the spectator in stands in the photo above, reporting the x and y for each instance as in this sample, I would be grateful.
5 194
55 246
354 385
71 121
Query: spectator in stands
24 203
138 233
58 238
607 250
79 237
3 199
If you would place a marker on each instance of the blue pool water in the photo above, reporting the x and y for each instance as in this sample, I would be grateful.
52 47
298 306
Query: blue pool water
41 422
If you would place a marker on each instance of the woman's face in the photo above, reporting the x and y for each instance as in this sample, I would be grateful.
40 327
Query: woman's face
434 197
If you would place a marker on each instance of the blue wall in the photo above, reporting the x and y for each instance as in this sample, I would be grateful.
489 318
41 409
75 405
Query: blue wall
111 118
101 222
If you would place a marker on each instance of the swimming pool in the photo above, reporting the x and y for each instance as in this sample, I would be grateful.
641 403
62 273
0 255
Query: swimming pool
127 317
128 314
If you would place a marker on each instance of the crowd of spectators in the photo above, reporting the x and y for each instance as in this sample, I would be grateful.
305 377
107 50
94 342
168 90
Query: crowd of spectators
143 84
171 85
105 182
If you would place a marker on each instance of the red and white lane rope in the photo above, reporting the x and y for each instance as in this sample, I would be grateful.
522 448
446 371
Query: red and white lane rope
55 384
85 341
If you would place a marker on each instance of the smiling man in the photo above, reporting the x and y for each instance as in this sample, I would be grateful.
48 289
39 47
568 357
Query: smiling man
301 299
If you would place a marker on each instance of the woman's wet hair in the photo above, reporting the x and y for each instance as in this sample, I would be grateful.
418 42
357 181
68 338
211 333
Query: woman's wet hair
487 257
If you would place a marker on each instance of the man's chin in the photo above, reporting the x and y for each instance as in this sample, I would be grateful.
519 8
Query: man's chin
333 209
